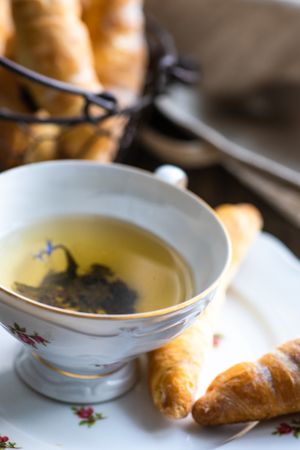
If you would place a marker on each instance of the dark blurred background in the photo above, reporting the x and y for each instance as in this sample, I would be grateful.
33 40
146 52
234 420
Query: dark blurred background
237 132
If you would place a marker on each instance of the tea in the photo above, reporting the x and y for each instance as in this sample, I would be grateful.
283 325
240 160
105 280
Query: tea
94 264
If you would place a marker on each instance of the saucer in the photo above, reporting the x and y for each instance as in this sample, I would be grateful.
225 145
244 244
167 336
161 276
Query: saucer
261 311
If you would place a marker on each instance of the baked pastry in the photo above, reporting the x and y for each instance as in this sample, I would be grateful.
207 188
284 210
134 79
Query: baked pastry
6 27
43 141
52 39
242 222
249 391
20 142
98 143
117 31
13 136
174 368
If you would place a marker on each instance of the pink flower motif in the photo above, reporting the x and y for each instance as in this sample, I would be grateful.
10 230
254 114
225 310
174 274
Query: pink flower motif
6 443
26 339
39 339
85 413
292 428
284 428
217 338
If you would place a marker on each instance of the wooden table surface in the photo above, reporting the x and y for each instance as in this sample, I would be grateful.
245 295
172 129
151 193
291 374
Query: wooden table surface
215 185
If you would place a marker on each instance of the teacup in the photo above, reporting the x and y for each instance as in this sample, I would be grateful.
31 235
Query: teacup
86 358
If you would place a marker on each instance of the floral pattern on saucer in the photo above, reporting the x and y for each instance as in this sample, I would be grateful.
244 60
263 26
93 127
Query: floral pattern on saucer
5 442
217 339
292 428
29 339
87 415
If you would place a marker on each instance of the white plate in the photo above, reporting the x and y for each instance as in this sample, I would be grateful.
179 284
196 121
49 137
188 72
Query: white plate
262 311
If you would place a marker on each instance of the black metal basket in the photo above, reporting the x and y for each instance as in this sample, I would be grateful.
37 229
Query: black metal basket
164 67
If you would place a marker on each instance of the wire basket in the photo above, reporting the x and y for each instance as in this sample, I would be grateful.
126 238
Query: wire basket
164 67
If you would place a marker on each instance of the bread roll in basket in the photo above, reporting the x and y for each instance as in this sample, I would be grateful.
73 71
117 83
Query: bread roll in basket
77 77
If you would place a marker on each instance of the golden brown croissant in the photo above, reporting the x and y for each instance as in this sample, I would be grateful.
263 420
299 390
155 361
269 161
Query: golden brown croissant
117 31
21 143
242 222
52 39
6 27
98 143
13 136
174 368
254 391
43 141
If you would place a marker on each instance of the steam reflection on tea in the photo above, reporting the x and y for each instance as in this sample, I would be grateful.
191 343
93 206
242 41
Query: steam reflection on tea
93 264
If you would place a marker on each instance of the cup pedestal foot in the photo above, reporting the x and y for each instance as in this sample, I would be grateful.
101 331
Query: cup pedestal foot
74 388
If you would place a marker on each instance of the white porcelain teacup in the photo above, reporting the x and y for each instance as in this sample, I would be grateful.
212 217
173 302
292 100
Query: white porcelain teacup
84 358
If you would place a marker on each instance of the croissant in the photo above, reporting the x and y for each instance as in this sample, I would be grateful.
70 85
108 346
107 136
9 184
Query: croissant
52 39
13 136
97 143
21 143
43 143
174 368
5 27
117 31
254 391
242 222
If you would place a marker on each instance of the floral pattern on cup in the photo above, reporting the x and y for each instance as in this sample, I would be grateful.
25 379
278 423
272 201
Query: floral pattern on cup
291 428
46 251
87 415
33 340
5 442
217 339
